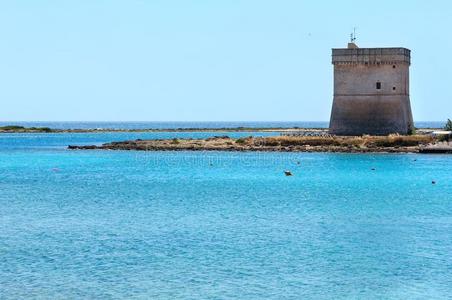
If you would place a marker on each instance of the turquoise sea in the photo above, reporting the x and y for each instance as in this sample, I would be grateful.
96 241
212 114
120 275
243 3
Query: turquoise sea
220 225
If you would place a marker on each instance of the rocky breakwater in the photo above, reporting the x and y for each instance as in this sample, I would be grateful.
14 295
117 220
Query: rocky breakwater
357 144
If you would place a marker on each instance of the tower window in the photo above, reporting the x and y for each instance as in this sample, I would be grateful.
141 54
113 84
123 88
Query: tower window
393 66
378 85
393 88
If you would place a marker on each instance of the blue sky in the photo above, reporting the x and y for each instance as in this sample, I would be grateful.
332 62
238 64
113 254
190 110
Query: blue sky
205 60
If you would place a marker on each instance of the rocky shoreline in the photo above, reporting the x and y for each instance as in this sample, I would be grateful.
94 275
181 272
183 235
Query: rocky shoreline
364 144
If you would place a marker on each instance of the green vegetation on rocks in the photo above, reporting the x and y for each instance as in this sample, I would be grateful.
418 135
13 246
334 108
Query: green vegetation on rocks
448 125
240 141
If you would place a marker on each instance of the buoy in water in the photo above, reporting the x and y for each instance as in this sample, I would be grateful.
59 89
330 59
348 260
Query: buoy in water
373 169
433 182
288 173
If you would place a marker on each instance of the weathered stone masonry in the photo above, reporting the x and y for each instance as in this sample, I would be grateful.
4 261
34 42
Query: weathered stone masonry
371 91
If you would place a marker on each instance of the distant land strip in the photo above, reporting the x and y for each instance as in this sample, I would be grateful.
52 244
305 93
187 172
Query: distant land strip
317 131
22 129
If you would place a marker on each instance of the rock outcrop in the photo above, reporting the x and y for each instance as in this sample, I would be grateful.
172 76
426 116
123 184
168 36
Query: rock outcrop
280 143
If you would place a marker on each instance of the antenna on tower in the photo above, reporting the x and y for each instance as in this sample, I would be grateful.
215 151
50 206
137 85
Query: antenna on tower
353 35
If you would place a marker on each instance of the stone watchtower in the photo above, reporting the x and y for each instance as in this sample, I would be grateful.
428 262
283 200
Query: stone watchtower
371 91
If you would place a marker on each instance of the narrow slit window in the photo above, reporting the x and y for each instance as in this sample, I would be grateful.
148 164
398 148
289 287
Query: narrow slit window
393 88
378 85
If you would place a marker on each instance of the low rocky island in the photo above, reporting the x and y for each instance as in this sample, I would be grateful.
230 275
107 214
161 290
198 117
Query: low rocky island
355 144
22 129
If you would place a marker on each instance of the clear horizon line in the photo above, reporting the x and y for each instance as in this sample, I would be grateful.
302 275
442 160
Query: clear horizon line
174 121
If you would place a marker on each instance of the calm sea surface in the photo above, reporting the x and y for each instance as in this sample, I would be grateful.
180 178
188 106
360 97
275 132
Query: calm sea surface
220 225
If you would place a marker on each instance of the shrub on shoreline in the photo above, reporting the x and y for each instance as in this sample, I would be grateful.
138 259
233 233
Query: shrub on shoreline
448 125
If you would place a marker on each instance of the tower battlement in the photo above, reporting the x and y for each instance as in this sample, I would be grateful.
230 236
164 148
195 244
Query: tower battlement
371 56
371 91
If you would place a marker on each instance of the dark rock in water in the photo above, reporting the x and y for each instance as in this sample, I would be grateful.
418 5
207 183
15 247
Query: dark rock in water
88 147
288 173
439 148
433 182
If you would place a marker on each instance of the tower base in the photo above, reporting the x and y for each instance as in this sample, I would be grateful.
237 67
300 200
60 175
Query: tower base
374 115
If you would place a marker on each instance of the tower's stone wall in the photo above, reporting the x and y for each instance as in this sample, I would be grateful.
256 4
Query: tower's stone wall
371 91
